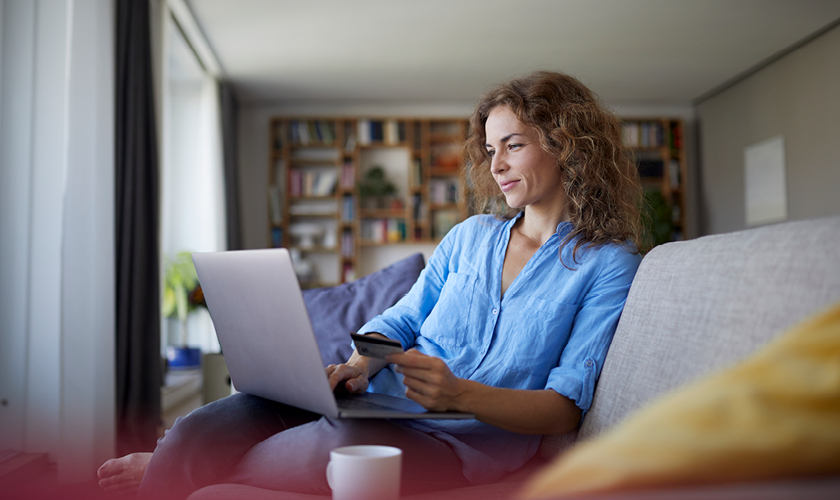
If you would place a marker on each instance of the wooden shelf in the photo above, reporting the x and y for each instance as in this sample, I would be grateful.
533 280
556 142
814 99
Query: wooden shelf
443 172
304 197
316 249
382 213
331 215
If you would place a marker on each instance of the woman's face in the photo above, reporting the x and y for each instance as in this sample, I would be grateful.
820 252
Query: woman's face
525 172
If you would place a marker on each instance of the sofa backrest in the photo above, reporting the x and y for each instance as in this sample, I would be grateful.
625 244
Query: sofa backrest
702 305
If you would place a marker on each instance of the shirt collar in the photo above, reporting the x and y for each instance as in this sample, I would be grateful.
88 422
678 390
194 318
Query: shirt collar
565 227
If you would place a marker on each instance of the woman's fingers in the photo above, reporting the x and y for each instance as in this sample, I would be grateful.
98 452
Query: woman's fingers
426 375
353 378
338 373
428 380
412 358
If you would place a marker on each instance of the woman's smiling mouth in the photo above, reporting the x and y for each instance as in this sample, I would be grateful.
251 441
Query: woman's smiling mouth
507 185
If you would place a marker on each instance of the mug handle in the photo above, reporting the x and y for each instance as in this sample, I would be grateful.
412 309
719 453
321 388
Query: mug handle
329 475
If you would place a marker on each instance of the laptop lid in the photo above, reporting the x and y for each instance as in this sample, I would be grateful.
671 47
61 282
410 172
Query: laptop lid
266 335
263 327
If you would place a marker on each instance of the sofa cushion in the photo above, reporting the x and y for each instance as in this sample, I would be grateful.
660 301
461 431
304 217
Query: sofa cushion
776 415
702 305
336 311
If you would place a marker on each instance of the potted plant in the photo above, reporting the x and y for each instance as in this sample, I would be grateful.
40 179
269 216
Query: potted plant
375 188
657 214
181 295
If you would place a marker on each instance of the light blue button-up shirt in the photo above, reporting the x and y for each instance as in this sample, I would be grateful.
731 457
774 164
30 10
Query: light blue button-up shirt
551 330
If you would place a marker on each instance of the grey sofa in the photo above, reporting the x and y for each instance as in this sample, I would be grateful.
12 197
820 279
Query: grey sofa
695 307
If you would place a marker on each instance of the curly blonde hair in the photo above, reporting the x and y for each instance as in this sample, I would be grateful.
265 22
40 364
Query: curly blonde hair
602 182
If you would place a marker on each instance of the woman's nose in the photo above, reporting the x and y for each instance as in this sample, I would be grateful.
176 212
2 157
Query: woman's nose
497 164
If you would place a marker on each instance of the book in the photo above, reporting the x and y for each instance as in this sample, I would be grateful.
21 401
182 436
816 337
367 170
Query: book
363 129
348 174
348 209
350 145
391 132
348 244
443 191
377 131
348 273
674 173
324 182
417 172
276 204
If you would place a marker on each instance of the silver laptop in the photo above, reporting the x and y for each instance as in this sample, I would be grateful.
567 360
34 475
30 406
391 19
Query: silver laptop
263 327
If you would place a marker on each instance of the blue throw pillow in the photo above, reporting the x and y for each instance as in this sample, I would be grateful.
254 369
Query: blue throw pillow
336 311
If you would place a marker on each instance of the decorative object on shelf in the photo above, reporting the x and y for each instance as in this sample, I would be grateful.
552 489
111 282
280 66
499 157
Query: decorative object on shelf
375 189
183 357
306 234
303 268
181 295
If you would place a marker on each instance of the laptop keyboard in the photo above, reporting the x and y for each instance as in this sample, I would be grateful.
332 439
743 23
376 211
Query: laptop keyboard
356 403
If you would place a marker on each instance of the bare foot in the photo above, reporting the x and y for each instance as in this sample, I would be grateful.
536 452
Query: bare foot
123 475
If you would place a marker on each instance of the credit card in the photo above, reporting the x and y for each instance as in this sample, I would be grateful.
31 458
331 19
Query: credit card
375 347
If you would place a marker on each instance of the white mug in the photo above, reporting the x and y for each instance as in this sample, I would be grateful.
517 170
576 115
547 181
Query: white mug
365 472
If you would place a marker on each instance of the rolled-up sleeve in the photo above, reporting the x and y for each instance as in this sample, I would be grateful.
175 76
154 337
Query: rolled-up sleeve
593 329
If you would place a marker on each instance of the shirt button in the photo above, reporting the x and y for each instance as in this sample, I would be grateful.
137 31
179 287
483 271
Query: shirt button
495 311
589 363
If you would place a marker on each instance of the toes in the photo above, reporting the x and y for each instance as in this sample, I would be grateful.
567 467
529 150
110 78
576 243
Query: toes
110 468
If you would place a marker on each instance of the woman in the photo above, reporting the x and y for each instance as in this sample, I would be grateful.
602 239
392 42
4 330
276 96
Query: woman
510 321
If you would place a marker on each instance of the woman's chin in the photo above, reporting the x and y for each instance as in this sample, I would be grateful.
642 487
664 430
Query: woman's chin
513 202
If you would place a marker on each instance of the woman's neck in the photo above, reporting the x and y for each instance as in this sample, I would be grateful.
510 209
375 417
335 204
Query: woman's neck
539 225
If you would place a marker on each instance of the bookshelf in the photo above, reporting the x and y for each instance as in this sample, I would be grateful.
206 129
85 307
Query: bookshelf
316 165
659 151
315 206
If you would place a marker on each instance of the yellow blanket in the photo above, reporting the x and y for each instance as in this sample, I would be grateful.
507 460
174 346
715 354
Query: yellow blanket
775 415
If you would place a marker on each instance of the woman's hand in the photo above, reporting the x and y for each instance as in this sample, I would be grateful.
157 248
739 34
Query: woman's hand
428 380
356 372
430 383
354 377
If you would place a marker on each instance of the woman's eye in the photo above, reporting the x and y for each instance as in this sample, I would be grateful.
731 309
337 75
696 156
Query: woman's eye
491 153
514 146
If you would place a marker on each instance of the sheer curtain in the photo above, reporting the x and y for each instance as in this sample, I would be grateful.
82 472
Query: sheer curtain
57 272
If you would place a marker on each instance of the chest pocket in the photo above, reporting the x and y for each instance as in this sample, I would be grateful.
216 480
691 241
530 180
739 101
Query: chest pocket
448 321
538 349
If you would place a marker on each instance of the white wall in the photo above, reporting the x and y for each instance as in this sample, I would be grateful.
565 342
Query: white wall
56 218
797 97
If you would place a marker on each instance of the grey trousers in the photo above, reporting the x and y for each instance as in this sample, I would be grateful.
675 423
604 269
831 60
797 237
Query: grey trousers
249 440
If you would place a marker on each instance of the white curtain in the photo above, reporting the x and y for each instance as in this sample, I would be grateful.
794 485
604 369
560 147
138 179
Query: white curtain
56 222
